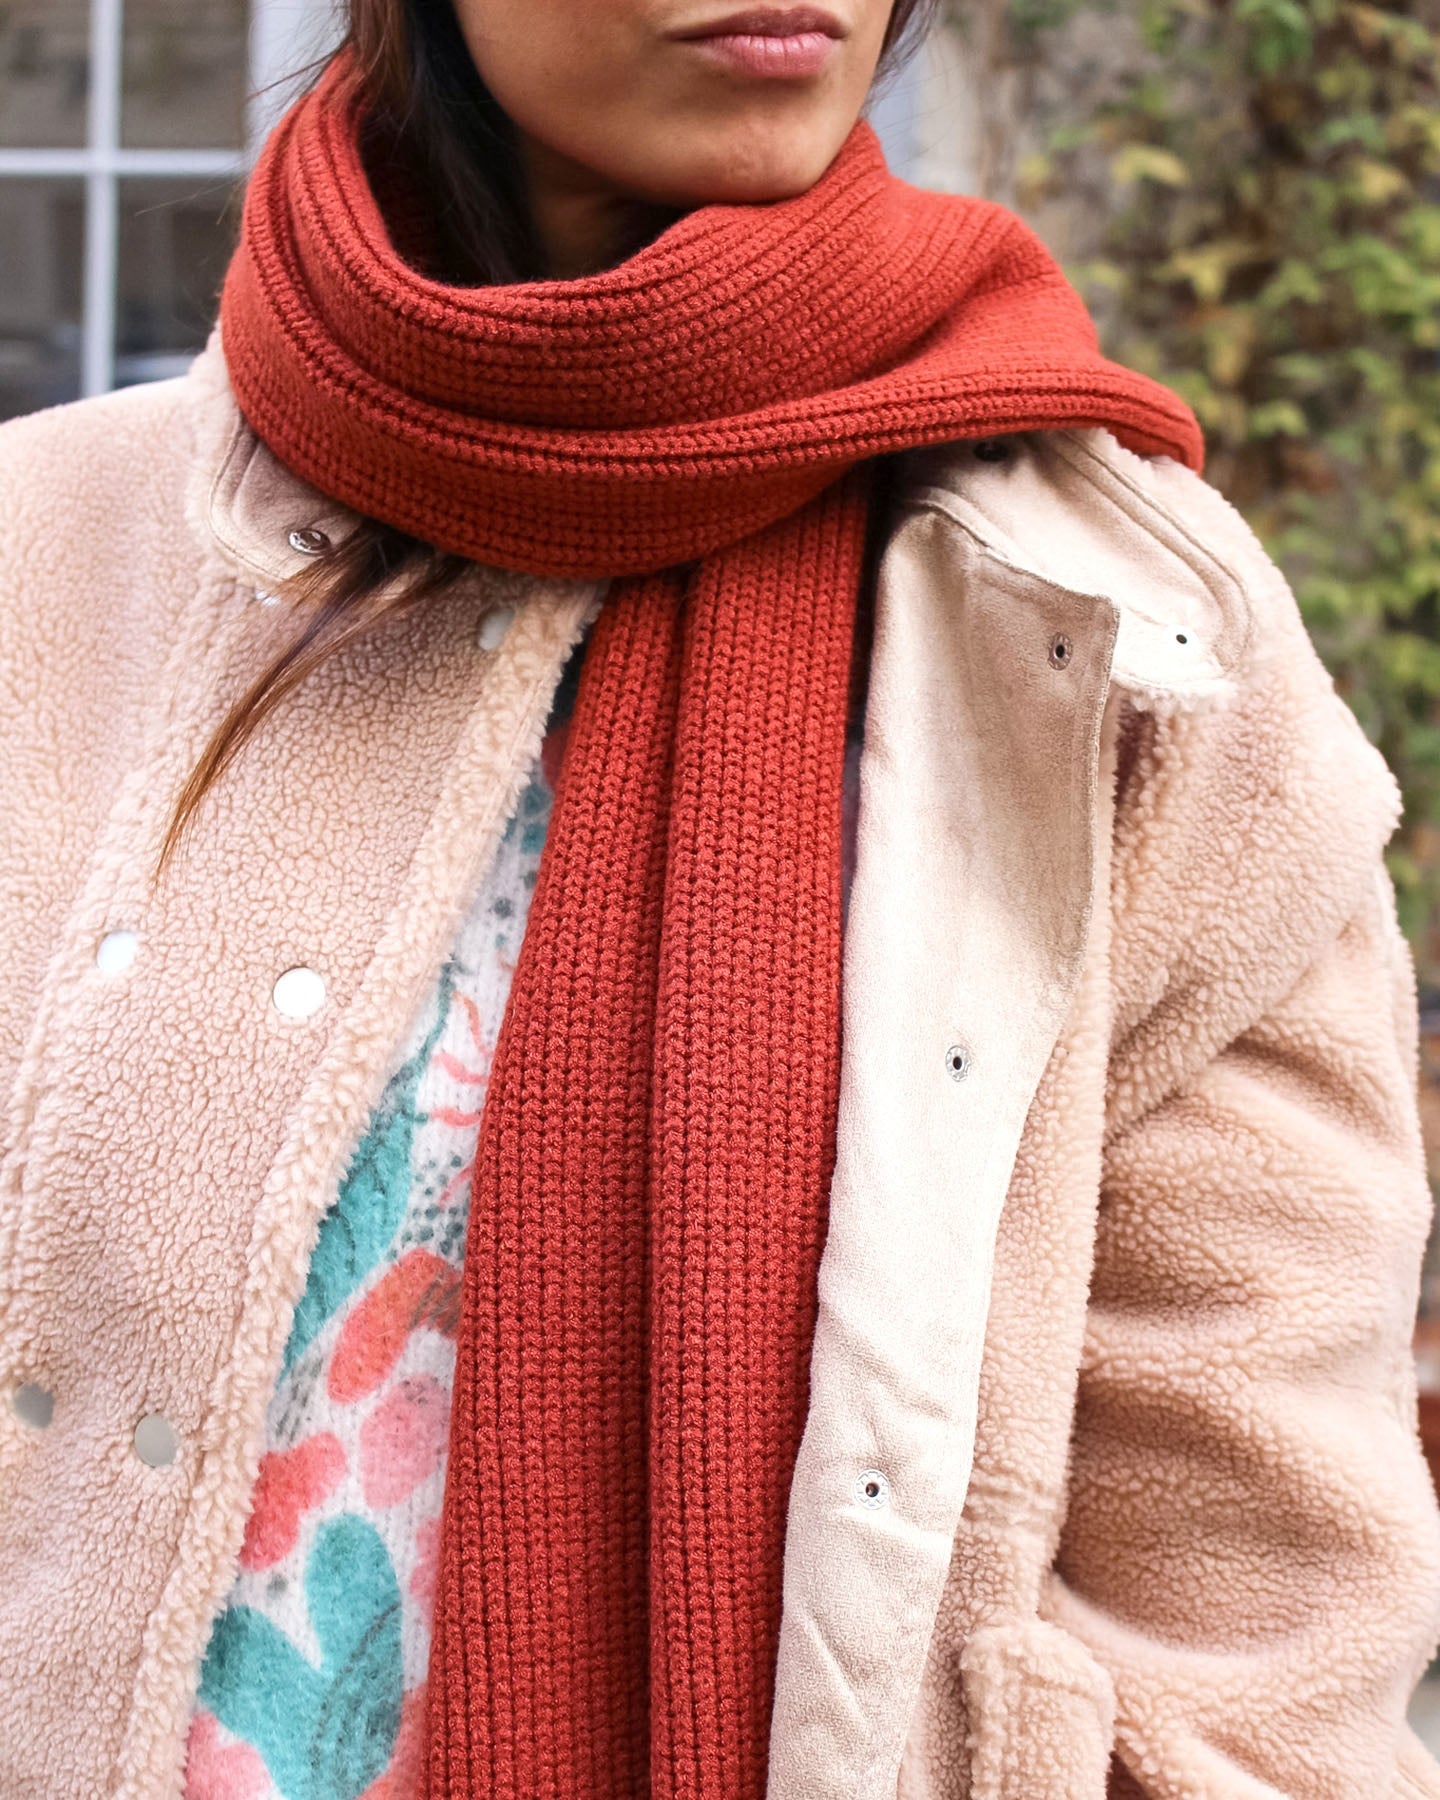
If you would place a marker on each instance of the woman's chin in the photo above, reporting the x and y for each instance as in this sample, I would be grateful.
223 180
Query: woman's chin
748 166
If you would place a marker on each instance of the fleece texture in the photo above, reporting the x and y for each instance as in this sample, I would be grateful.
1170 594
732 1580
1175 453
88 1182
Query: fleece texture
314 1676
1110 1481
190 1262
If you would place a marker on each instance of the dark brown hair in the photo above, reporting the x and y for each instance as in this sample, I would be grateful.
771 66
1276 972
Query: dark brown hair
431 115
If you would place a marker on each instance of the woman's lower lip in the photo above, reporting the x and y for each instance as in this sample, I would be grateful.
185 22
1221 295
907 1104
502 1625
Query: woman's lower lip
791 58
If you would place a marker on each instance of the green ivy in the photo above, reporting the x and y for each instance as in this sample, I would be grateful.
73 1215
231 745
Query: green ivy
1269 243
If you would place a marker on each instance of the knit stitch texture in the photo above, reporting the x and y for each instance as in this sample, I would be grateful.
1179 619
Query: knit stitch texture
644 416
649 1201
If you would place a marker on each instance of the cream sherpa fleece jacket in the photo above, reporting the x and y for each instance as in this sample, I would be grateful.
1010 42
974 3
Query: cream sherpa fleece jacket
1116 1305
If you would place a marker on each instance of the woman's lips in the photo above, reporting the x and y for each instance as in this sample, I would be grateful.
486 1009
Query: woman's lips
775 46
776 58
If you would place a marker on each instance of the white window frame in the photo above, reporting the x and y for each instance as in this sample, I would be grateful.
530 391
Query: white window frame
284 34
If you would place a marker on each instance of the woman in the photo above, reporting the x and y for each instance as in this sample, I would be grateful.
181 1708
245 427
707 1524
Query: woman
618 537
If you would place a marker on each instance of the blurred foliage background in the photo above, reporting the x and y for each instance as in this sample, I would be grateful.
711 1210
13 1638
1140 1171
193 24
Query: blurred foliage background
1248 194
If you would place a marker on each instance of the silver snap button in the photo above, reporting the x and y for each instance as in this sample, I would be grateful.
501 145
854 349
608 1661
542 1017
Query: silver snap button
872 1489
299 993
33 1404
156 1442
494 625
1061 650
957 1061
116 951
309 541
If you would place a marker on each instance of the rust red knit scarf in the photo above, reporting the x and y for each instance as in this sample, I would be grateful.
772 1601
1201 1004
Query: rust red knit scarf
650 1198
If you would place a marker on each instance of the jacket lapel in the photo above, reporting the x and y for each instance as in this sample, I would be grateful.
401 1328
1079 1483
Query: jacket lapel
985 808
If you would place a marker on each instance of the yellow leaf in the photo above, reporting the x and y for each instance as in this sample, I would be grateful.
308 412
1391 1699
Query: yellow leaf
1377 181
1148 162
1207 266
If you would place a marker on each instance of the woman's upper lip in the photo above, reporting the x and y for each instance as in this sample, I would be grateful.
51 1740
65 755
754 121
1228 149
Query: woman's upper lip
768 21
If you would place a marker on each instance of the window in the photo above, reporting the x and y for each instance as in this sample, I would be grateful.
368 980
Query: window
125 129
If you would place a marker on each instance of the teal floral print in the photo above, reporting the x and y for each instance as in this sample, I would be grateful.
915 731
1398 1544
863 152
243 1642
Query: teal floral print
323 1731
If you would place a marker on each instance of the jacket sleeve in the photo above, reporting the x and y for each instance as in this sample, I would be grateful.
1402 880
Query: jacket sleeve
1252 1545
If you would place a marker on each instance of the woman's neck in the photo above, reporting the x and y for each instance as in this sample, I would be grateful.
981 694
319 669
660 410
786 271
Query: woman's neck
583 223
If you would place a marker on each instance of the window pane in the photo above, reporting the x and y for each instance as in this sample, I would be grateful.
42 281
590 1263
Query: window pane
175 240
185 75
44 73
42 226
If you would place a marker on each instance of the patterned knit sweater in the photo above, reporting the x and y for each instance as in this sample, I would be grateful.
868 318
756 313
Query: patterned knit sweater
312 1687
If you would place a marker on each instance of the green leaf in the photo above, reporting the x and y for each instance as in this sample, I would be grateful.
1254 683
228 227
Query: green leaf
1278 418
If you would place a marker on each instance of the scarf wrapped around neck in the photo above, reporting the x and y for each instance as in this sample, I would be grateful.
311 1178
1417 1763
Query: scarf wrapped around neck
649 1204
